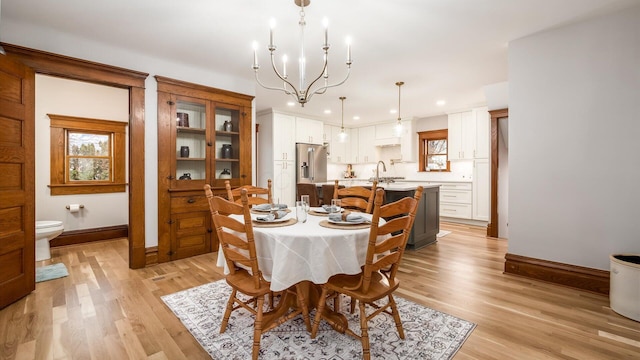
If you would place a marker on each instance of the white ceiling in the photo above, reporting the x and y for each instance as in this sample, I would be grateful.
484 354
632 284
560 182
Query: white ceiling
441 49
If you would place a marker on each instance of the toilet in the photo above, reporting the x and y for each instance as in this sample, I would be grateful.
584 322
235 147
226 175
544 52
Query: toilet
46 231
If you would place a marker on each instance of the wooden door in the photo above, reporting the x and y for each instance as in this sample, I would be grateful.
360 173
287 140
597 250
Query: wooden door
17 189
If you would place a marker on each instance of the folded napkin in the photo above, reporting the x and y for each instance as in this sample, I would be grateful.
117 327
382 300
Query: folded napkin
267 207
272 216
327 208
262 207
348 217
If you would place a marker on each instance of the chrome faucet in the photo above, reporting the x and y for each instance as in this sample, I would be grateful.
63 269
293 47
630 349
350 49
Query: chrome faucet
384 168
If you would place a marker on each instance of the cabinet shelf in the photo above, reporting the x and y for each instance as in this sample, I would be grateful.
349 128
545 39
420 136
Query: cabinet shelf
190 159
227 160
182 129
227 133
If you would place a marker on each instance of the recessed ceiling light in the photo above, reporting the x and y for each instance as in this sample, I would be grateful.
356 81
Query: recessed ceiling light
356 117
393 111
290 103
328 111
441 102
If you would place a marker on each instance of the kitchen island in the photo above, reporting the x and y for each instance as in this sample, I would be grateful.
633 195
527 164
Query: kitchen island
427 223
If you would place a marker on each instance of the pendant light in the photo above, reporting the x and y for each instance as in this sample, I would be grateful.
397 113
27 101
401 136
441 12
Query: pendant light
398 128
342 136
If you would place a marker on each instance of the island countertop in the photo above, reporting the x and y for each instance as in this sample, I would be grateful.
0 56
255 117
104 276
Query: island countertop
394 186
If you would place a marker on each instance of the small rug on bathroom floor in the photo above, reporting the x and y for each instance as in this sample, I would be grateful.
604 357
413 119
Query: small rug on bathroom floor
51 272
443 233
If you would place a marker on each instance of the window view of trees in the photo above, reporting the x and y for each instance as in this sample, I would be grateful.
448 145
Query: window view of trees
89 156
437 154
433 153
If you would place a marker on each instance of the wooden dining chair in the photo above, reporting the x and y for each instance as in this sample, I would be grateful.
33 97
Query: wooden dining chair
378 277
356 197
238 245
308 189
255 194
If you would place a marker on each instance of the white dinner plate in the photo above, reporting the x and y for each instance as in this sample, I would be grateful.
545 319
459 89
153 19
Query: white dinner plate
347 222
322 210
272 221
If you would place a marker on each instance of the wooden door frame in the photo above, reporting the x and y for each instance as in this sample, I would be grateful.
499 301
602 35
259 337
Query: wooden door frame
82 70
492 227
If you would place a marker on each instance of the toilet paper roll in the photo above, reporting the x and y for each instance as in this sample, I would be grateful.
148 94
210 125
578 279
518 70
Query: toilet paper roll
74 208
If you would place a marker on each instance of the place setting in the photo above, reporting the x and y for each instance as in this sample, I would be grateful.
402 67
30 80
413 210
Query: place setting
327 209
339 218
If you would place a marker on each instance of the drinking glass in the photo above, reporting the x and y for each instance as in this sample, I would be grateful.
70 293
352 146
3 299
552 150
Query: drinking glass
301 211
336 206
305 200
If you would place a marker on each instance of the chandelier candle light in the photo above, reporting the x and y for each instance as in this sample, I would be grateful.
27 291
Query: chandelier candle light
303 92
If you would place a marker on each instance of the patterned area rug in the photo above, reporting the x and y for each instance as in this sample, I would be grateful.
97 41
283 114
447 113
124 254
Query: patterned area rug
429 334
51 272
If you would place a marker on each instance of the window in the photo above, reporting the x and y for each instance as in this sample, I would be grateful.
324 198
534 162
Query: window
433 150
87 155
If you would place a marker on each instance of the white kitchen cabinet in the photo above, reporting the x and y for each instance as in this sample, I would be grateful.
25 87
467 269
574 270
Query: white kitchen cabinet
481 189
276 154
483 133
283 189
326 133
462 136
408 141
309 131
455 199
366 144
386 135
339 148
352 147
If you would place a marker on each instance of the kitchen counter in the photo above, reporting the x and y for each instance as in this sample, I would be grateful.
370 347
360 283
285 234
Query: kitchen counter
394 186
427 222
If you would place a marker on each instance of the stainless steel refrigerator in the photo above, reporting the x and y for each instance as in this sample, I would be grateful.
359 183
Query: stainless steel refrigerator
311 163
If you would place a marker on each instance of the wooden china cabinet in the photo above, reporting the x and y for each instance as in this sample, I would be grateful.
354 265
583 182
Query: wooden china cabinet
204 137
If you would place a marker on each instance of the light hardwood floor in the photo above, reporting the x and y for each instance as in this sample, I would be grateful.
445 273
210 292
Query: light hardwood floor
104 310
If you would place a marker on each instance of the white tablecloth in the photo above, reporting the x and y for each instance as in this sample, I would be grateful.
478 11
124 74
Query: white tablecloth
307 251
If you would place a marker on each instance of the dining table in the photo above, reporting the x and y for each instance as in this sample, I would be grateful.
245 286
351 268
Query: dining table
306 254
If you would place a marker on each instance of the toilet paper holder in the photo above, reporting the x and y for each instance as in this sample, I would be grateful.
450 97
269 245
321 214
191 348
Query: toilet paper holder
69 207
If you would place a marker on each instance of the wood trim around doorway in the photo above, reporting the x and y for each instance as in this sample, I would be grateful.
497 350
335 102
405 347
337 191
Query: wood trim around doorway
77 69
492 227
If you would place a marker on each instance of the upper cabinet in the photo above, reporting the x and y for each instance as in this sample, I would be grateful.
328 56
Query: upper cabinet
461 136
201 132
339 149
366 147
309 131
408 141
469 134
483 132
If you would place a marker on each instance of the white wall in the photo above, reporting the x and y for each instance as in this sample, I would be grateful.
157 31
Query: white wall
574 130
74 98
33 36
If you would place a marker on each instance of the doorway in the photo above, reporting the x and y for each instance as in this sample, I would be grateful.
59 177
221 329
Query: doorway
76 69
498 220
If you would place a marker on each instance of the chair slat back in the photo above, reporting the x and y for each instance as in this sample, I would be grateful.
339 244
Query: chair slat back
386 254
255 195
236 238
356 197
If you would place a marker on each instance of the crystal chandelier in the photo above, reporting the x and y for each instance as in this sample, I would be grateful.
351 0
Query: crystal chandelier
342 136
304 91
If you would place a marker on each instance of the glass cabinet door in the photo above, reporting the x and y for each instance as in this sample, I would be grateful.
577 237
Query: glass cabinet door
227 139
191 141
